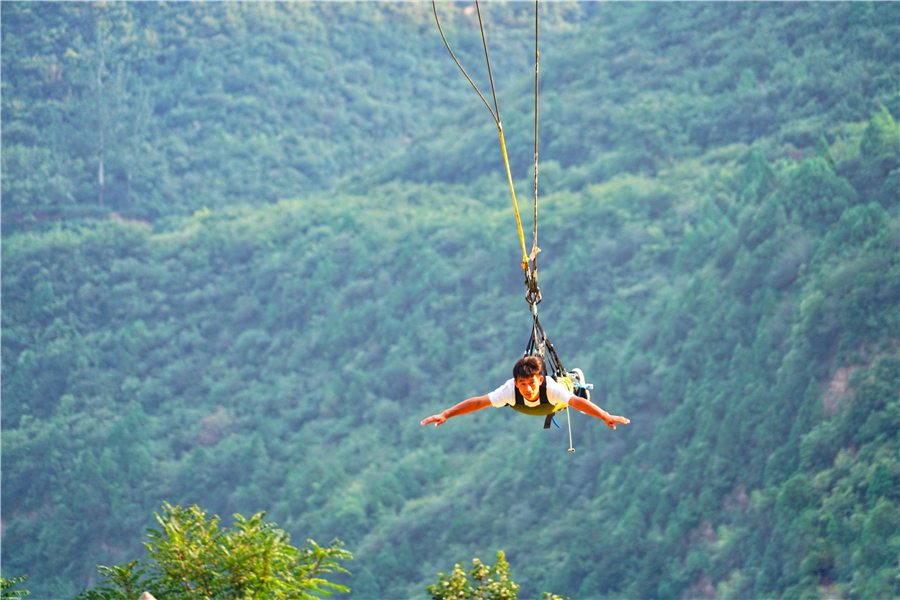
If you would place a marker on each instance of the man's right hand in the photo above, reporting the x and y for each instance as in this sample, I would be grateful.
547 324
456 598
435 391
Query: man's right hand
437 419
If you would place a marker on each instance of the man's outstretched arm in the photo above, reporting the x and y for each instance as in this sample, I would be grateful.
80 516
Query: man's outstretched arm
589 408
463 408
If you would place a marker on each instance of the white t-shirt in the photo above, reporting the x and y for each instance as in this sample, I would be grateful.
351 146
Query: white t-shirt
506 394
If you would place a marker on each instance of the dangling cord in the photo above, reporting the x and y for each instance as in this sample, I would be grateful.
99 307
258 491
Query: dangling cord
495 115
490 74
569 419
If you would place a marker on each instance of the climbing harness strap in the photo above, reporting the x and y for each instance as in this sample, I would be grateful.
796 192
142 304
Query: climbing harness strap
544 408
539 345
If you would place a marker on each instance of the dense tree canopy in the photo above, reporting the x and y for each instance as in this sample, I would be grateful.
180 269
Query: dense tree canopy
312 248
161 109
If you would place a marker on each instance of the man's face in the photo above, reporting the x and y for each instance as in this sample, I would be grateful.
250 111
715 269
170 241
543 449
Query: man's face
530 387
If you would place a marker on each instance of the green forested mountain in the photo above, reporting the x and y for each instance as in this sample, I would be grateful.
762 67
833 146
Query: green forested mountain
719 232
188 104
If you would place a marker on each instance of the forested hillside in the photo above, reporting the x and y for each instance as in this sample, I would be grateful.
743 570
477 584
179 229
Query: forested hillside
719 232
158 109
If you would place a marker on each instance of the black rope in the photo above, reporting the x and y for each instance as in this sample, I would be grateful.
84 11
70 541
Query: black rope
490 75
496 116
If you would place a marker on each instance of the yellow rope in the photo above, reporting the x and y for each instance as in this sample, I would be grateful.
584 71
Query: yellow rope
515 204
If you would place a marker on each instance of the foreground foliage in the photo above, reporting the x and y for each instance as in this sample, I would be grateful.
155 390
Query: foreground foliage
6 585
483 582
191 557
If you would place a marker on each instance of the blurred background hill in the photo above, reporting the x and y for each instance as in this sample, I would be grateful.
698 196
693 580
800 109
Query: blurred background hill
248 247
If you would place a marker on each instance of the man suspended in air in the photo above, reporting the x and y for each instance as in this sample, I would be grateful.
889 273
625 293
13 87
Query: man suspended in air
529 392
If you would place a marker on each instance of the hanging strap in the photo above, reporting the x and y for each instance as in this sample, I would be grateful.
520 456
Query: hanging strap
539 345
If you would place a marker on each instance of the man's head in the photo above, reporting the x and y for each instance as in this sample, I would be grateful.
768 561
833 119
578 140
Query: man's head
528 377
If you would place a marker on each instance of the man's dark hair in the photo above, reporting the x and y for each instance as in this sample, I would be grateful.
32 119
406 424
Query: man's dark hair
528 366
